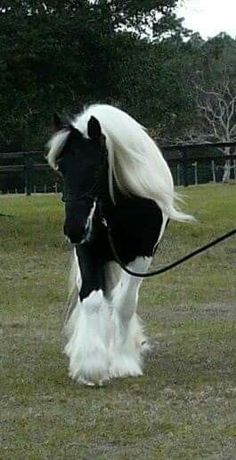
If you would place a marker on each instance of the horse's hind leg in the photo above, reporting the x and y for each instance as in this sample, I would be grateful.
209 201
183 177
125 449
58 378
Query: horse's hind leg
88 344
128 338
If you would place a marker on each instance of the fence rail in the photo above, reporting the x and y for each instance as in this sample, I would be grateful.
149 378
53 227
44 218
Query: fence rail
187 165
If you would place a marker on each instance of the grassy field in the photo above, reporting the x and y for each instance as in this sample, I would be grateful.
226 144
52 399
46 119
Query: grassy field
184 407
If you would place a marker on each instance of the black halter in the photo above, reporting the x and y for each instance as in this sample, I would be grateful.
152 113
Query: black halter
69 198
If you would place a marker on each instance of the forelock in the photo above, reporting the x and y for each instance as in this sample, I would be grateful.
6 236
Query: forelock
55 145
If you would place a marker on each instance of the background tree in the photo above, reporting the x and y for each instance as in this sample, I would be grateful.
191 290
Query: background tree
58 55
215 86
62 54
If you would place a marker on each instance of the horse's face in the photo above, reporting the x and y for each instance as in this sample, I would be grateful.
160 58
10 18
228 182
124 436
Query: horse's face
80 164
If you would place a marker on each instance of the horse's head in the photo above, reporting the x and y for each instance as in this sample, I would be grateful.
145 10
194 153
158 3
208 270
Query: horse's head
80 161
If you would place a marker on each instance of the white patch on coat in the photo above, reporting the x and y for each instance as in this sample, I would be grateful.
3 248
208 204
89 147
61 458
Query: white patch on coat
89 223
128 339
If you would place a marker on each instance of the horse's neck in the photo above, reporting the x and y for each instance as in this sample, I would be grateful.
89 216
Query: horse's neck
107 207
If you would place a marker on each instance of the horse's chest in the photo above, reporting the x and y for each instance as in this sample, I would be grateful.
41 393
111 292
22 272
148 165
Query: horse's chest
135 227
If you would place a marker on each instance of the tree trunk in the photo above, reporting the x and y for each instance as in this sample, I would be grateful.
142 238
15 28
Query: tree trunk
227 168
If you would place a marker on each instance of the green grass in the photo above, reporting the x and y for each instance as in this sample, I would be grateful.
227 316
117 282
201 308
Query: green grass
184 407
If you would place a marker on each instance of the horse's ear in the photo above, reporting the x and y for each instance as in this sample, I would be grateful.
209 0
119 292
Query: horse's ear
94 129
57 122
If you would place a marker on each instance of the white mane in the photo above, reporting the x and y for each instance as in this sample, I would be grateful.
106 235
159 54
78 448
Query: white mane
55 146
134 159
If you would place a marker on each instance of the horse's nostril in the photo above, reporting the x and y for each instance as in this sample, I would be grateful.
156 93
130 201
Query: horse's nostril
74 234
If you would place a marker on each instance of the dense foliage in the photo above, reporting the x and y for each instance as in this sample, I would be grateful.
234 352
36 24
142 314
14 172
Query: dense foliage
61 54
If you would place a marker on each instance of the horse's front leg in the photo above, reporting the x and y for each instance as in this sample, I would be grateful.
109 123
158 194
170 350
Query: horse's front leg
88 344
128 340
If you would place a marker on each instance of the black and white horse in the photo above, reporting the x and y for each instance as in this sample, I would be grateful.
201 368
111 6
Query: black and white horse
115 175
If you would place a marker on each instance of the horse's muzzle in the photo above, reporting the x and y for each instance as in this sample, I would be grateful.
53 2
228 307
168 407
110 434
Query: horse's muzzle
76 221
76 232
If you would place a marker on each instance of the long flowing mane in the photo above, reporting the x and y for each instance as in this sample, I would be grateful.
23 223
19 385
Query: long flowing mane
135 162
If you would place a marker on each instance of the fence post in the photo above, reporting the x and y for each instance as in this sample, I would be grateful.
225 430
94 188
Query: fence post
28 174
234 168
195 172
213 169
185 166
178 174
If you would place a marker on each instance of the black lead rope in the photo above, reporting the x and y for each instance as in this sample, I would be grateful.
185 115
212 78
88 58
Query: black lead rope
173 264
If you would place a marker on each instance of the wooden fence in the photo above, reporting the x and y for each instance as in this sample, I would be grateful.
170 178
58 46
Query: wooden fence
186 163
